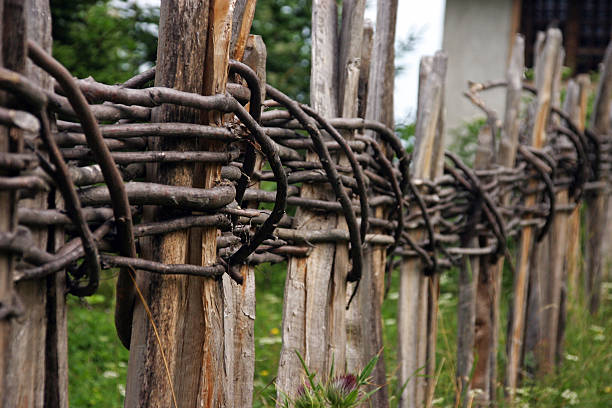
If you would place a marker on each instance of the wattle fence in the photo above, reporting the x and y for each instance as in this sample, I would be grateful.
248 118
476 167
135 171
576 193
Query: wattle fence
186 186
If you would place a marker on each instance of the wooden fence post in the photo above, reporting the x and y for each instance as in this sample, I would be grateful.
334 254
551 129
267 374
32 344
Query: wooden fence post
176 358
356 330
305 326
469 281
349 67
415 287
576 106
243 296
36 361
545 70
597 201
490 291
379 107
549 267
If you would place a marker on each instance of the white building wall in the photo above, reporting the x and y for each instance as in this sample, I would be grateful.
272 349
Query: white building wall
476 40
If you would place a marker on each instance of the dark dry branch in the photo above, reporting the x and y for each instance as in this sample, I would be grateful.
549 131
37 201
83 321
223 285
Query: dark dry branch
321 150
255 110
168 129
140 80
358 174
163 227
210 271
112 176
155 156
69 253
141 193
19 119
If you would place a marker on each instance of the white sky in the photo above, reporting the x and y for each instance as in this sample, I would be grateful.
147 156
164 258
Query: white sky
427 18
423 16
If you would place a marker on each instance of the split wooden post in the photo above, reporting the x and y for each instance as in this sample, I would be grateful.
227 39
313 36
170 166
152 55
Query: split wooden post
349 67
36 363
380 108
415 287
8 217
550 265
545 70
239 300
597 201
356 330
469 278
489 288
177 351
305 327
576 107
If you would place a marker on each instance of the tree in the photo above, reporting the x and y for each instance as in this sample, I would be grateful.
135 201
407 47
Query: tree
110 41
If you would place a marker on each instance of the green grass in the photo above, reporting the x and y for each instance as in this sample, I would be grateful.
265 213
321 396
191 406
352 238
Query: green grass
98 362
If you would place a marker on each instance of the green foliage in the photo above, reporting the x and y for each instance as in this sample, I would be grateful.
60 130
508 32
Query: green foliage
405 131
110 41
465 139
285 28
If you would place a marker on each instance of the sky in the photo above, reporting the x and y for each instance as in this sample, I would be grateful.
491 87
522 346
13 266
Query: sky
425 17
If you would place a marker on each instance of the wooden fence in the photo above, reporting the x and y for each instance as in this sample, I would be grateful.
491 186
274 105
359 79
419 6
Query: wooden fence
163 182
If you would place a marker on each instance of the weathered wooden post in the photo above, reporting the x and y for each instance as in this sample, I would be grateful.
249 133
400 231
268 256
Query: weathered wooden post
575 107
415 287
489 288
469 280
305 308
355 327
178 347
597 201
36 364
545 70
549 265
349 69
379 107
240 303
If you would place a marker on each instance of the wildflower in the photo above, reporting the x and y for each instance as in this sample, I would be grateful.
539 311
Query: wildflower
121 389
264 373
390 322
599 337
596 329
110 374
570 396
608 389
342 391
571 357
274 331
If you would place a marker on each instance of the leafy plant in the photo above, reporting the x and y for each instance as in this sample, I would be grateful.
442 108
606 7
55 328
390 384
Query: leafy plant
337 391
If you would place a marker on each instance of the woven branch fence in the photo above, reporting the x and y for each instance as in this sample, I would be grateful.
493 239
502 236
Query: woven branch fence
122 175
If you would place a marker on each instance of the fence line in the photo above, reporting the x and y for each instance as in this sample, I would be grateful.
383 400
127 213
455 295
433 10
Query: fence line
131 148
